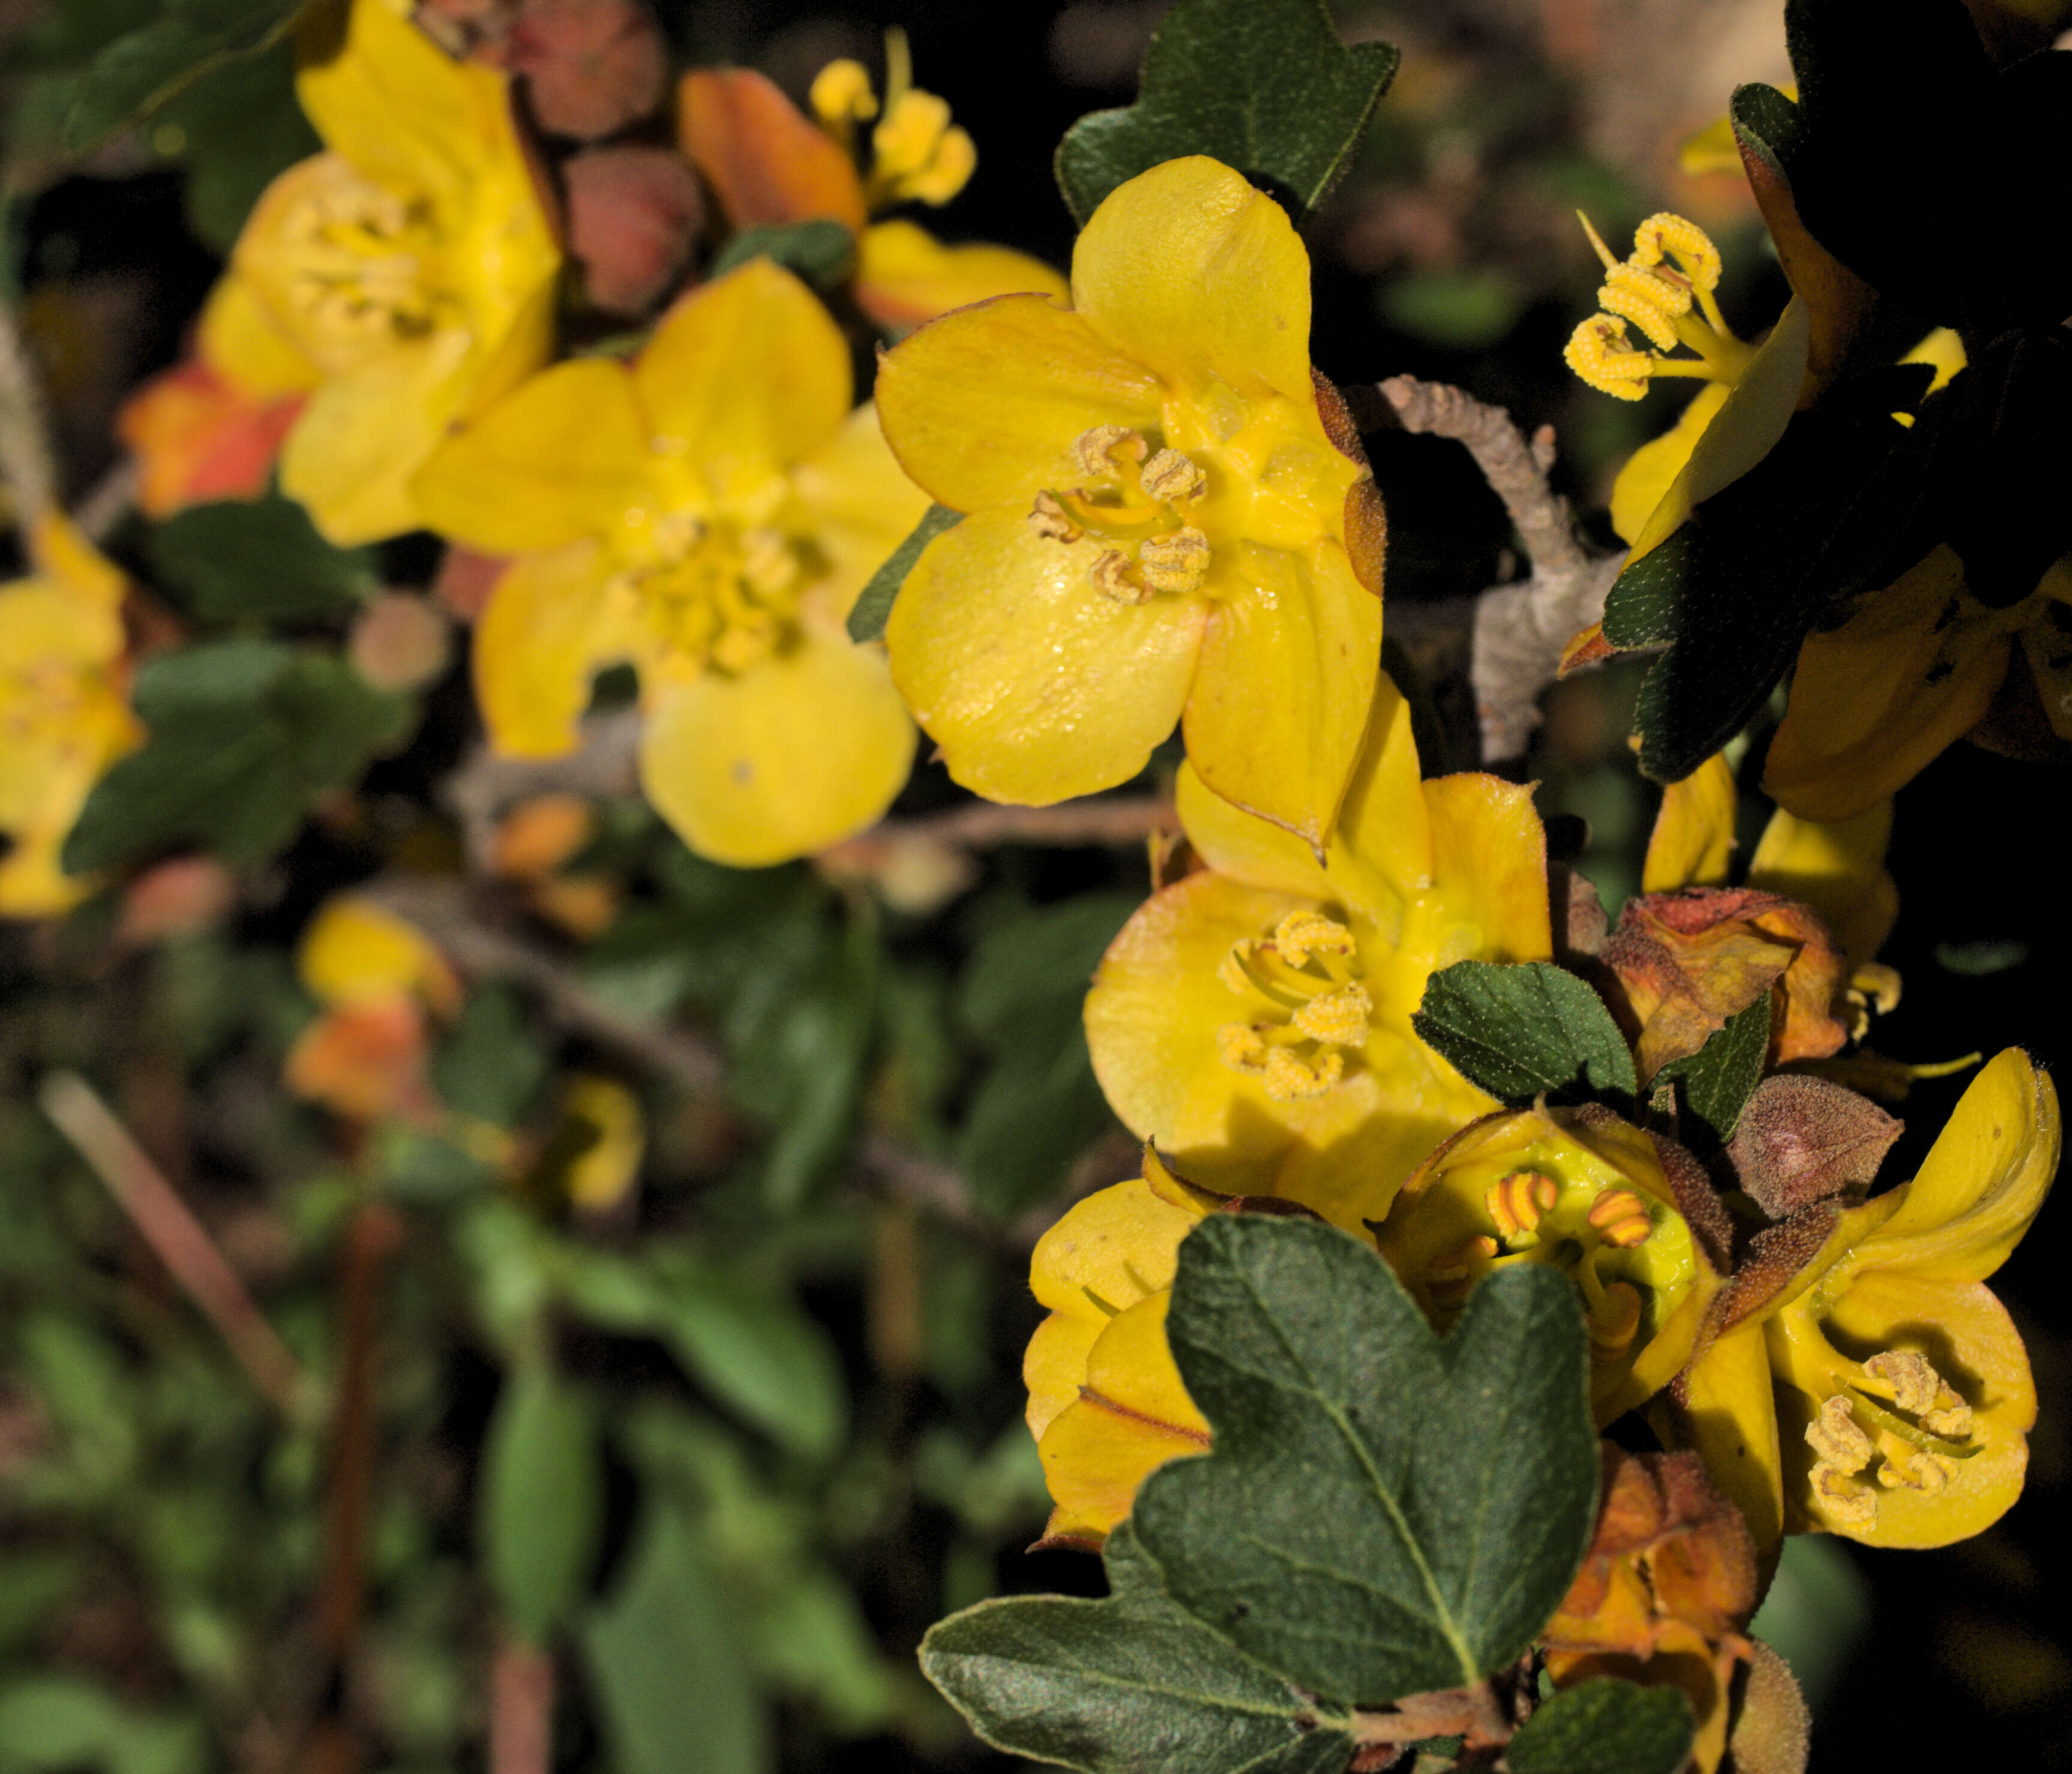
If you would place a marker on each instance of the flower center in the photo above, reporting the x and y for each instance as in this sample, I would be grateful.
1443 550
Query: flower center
1899 1412
1132 502
1650 291
360 256
1310 967
718 596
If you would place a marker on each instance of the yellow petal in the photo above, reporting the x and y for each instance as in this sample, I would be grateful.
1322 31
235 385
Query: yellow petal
1730 1414
352 453
551 623
1694 831
1134 1416
982 407
563 457
1873 701
385 96
1109 1250
1037 686
1289 658
356 952
1942 348
1744 431
1983 1180
1838 869
1383 848
798 752
905 276
80 573
1489 851
238 337
1651 469
1245 848
1190 270
605 1170
860 507
1054 1367
744 377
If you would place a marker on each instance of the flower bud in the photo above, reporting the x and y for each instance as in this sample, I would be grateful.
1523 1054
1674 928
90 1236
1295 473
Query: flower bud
633 213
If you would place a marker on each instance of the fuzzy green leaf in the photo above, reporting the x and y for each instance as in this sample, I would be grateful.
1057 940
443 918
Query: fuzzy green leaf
1384 1512
873 608
1721 1076
1519 1030
257 558
1264 86
143 68
542 1501
1605 1726
820 252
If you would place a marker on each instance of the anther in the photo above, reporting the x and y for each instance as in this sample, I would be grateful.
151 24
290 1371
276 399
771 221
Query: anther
1478 1248
1909 1469
1177 563
1835 1436
1518 1202
1915 1383
1338 1018
1112 577
1852 1504
1613 1329
1097 450
1665 233
1598 352
1240 1046
1170 477
1621 1218
1048 520
1301 934
1649 302
1287 1079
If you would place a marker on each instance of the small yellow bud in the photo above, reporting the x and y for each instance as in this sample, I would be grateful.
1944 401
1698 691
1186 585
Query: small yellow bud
841 96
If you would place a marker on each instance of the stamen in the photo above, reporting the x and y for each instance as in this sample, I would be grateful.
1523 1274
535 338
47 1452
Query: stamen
1112 577
1301 934
1852 1504
1048 520
1240 1046
1665 233
1287 1079
1914 1384
1519 1201
1598 352
1338 1018
1621 1218
1170 477
1613 1327
1176 563
1095 450
1909 1469
1834 1435
841 96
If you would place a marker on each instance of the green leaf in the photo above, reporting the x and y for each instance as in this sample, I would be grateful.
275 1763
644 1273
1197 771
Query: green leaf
1605 1726
819 252
666 1665
873 608
1262 85
1037 1104
541 1501
62 1723
257 558
241 128
1721 1076
1384 1512
1517 1030
245 734
142 69
494 1066
1134 1685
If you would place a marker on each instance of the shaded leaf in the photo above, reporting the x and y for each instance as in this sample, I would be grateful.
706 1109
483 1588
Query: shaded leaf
245 734
1605 1726
493 1066
1133 1685
667 1667
820 252
541 1500
1264 86
873 608
1519 1029
1412 1508
1721 1077
257 558
143 68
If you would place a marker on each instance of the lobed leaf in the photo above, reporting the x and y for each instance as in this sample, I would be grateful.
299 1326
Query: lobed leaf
1384 1512
1521 1030
1264 86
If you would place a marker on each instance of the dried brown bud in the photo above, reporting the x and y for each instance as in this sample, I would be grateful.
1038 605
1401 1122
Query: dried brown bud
591 66
1801 1139
401 642
633 213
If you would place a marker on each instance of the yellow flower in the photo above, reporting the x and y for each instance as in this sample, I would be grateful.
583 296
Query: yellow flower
1863 1381
708 512
1596 1198
1106 1402
1163 516
1915 668
1254 1018
64 716
356 952
409 271
375 974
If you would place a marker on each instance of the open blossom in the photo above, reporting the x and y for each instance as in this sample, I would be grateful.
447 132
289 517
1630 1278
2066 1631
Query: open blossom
1858 1376
411 267
708 512
64 711
1254 1018
1168 517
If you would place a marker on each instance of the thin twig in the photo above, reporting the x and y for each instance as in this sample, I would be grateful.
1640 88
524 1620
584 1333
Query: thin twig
603 766
1520 630
108 500
177 1237
1093 822
440 909
28 464
521 1710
